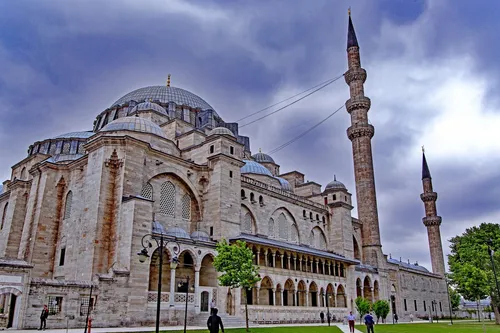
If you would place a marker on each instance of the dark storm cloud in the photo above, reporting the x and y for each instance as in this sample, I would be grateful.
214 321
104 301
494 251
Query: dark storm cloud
71 60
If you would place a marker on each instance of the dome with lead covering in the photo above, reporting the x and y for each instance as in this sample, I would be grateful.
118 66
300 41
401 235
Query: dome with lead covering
136 124
177 233
79 135
335 185
148 106
255 168
260 157
221 131
285 185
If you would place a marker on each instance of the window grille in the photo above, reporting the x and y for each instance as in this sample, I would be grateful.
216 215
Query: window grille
147 191
66 147
86 305
186 207
271 228
167 199
247 223
283 226
67 206
55 304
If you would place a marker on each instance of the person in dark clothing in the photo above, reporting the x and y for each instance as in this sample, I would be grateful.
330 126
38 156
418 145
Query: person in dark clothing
43 318
214 321
369 323
322 316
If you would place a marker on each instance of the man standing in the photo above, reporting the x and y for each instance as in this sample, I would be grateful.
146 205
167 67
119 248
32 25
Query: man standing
351 320
369 323
411 317
214 321
212 306
43 318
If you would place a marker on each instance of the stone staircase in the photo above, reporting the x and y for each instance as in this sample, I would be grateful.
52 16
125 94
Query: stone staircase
228 321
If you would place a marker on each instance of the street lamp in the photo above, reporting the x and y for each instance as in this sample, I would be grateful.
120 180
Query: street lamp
434 308
449 299
327 308
490 252
161 243
187 295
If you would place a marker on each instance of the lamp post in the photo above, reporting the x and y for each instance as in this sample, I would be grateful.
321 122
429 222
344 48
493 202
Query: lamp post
449 299
434 307
187 295
327 308
161 243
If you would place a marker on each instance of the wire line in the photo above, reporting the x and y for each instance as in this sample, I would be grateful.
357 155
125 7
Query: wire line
286 144
292 103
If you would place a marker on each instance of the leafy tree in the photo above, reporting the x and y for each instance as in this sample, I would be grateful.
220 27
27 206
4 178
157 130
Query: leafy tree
362 306
381 309
235 262
470 264
454 298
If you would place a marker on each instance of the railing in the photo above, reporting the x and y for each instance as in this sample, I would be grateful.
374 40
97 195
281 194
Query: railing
279 191
165 297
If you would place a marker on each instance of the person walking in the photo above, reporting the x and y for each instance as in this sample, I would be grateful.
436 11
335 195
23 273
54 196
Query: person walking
369 323
212 306
351 319
411 317
214 321
43 318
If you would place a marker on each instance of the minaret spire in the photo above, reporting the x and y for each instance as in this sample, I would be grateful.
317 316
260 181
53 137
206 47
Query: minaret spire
361 133
431 220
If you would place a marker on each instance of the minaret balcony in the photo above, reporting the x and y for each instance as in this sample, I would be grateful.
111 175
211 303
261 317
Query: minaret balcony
429 196
360 130
355 74
431 221
358 102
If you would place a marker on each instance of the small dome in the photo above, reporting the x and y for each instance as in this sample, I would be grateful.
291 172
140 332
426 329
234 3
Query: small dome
158 228
335 185
221 131
177 233
78 135
263 158
148 106
285 185
136 124
200 235
255 168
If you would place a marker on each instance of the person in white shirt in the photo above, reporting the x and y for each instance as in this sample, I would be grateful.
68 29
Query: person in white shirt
351 319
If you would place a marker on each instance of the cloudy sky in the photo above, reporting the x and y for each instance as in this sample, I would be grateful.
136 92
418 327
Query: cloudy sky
432 68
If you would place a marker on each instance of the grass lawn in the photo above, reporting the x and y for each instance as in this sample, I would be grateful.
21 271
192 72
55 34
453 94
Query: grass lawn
300 329
459 327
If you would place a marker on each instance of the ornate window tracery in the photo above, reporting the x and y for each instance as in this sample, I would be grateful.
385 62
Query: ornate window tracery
147 191
246 223
283 227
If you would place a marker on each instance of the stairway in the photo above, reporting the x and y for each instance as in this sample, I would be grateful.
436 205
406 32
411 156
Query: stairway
228 321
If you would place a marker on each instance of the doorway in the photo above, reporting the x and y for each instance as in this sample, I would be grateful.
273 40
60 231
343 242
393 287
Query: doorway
204 301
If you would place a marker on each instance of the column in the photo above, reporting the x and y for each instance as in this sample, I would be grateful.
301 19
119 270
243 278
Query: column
317 267
289 262
283 297
274 259
282 261
196 287
295 263
300 264
257 290
274 296
172 287
324 268
307 296
335 298
258 256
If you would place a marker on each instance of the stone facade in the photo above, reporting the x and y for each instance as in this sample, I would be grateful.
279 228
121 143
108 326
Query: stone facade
78 210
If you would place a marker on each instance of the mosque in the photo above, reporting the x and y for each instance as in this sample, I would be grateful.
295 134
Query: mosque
161 161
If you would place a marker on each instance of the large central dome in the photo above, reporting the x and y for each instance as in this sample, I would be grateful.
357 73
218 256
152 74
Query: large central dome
165 94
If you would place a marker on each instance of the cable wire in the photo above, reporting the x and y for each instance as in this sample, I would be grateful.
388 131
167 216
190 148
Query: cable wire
286 144
292 103
289 98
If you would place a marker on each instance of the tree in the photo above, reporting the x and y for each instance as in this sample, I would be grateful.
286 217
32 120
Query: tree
470 265
235 262
362 306
381 309
454 298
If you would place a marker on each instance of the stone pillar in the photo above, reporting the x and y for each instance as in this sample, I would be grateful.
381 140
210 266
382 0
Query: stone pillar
274 259
300 264
324 268
172 287
282 261
196 287
295 264
289 263
274 296
317 267
258 256
307 297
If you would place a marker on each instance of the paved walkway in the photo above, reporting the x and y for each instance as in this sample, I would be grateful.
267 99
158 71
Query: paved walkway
343 328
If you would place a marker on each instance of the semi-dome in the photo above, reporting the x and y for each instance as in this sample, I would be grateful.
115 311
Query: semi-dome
148 106
260 157
335 185
136 124
164 94
285 185
158 228
177 233
221 131
79 135
255 168
200 235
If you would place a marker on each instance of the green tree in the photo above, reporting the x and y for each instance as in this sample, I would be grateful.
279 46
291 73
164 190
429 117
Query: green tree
470 265
362 306
381 309
454 298
235 262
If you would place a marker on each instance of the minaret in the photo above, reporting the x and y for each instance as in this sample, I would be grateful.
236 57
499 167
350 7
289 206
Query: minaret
361 133
431 220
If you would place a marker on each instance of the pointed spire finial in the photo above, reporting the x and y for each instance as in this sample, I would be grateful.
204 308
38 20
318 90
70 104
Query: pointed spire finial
349 11
425 168
351 34
423 149
335 177
168 80
260 150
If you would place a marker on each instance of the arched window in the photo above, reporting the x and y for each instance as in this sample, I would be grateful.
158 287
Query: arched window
283 226
317 217
294 234
4 214
67 206
334 197
304 213
147 191
167 199
324 219
252 197
23 173
261 200
243 196
310 215
246 223
271 228
186 207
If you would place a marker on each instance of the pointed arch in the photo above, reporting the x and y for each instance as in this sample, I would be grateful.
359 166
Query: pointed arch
375 291
282 227
67 205
247 221
318 238
23 173
147 191
359 288
270 228
167 199
341 298
357 252
367 289
266 291
4 214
